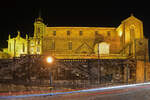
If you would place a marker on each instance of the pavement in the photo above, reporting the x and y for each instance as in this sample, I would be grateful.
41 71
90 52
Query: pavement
131 92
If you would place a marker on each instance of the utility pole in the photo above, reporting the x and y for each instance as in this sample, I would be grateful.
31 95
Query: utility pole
99 70
50 77
50 61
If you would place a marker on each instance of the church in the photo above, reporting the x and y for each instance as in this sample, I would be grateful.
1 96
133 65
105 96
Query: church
126 40
121 50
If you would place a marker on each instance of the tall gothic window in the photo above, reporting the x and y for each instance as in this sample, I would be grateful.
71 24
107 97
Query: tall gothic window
81 33
68 33
38 49
53 45
70 45
38 42
132 33
108 33
38 30
32 50
96 32
54 33
32 43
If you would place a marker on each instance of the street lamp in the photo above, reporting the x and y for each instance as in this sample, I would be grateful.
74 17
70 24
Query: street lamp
99 67
50 60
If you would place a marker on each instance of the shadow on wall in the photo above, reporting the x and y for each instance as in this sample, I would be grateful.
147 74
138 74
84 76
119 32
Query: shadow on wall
149 48
98 38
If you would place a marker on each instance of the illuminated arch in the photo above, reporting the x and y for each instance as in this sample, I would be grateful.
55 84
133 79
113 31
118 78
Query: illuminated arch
132 32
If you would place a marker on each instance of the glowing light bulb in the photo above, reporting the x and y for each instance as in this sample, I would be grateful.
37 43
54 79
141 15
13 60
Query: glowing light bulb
49 59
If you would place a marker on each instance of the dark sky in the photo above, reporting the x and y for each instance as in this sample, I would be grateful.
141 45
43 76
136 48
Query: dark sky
15 18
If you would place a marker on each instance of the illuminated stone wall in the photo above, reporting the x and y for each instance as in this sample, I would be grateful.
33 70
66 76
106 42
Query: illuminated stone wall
80 40
147 71
130 29
35 45
17 46
140 72
1 54
132 40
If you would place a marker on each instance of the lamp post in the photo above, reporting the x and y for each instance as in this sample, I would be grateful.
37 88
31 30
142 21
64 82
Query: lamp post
99 70
50 60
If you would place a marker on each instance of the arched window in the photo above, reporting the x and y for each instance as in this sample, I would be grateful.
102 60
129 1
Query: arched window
54 33
96 32
132 32
53 45
32 50
70 45
38 42
108 33
39 30
38 49
81 33
68 33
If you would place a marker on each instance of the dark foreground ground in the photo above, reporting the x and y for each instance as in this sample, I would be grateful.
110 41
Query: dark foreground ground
132 93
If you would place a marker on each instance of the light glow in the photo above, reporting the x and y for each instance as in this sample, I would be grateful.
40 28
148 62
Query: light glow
49 59
120 33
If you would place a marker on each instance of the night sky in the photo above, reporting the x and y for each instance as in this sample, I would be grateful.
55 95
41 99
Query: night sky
18 18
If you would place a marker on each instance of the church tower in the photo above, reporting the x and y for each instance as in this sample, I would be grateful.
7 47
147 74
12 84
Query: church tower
39 27
133 42
37 41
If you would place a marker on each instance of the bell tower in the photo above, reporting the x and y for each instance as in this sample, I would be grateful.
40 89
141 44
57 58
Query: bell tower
39 30
39 27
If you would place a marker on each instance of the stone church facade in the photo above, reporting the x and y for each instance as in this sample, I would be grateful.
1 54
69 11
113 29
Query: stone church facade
126 40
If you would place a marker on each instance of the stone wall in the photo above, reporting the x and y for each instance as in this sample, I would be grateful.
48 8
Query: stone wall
140 72
13 88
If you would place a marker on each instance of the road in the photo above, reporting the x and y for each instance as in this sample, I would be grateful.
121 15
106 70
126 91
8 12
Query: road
141 92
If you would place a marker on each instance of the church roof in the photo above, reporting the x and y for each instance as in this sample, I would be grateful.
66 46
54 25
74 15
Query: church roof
132 17
81 28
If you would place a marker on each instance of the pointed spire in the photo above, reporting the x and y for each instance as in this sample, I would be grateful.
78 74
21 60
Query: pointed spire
9 36
40 16
26 36
40 13
18 33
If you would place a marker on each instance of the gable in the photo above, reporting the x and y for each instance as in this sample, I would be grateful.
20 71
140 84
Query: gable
84 48
132 18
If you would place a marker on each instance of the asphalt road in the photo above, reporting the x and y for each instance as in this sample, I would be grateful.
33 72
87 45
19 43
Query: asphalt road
127 93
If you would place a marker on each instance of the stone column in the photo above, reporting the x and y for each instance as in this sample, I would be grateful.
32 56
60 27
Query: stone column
126 73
